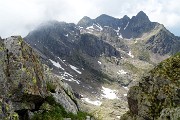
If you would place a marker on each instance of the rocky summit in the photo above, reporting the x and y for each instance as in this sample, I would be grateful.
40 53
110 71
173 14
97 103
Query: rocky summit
61 69
157 96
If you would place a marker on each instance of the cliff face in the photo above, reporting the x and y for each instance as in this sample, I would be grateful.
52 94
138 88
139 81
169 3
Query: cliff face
25 84
157 97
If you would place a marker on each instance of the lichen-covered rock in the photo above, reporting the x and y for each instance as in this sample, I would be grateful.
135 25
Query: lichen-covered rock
22 85
23 82
158 95
23 70
61 92
45 106
172 113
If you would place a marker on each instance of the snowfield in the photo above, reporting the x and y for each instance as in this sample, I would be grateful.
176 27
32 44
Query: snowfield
96 102
108 93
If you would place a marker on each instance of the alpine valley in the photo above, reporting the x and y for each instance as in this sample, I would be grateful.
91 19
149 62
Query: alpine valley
90 66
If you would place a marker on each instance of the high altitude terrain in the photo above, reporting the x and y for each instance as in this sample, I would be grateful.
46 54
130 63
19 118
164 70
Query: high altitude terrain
101 58
157 96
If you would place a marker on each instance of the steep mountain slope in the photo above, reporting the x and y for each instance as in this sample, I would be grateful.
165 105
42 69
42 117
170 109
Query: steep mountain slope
154 36
84 61
28 88
163 42
103 54
157 96
78 52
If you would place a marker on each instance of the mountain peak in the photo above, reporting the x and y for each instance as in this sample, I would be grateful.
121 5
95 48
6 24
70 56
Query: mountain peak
142 15
126 17
85 21
104 16
86 18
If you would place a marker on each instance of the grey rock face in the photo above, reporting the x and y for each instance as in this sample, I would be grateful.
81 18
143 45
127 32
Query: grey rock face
94 47
85 22
64 46
78 52
157 96
163 42
23 81
22 78
54 36
63 93
138 25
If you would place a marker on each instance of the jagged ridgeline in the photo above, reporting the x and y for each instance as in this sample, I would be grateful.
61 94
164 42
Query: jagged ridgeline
28 90
157 97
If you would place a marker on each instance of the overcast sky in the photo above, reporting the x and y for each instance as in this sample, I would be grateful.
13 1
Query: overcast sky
18 17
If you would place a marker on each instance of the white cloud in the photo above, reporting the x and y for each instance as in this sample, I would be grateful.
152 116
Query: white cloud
21 16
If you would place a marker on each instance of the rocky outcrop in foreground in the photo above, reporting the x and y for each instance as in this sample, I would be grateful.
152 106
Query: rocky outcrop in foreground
27 88
157 97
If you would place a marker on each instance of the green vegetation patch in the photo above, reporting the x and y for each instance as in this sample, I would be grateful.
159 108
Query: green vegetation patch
51 87
169 69
57 112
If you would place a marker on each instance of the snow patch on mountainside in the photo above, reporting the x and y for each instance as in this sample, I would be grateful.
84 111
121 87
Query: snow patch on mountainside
71 80
122 72
63 61
99 62
120 36
80 27
75 69
90 27
118 117
125 95
66 35
118 33
130 54
126 25
99 26
108 93
117 30
66 74
125 87
68 77
96 102
56 64
95 27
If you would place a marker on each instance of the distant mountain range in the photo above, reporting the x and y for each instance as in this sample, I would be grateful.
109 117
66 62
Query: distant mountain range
128 28
104 52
